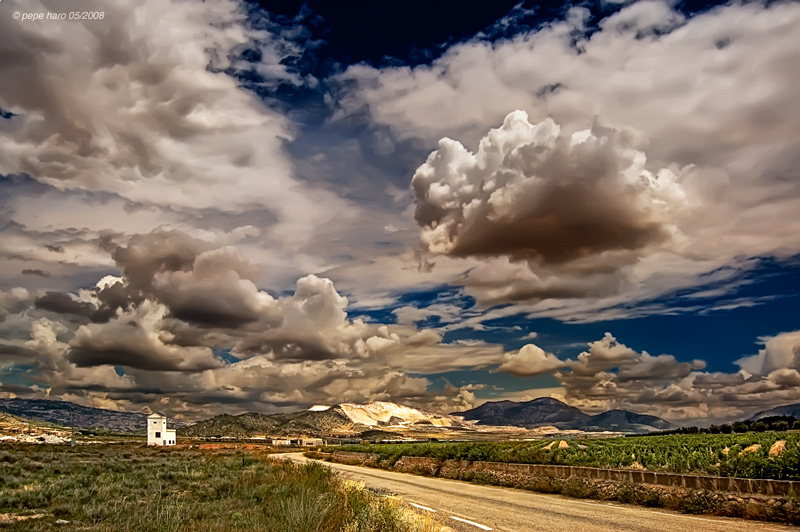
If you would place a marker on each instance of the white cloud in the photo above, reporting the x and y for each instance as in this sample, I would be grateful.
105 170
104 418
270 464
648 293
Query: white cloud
137 107
780 352
577 208
530 360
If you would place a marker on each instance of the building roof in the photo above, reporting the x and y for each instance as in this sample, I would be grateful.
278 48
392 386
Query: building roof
156 415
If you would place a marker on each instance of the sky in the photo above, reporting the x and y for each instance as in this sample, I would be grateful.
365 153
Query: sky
229 206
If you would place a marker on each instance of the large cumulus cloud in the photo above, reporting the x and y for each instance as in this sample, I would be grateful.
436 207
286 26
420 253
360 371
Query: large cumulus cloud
533 193
581 205
721 162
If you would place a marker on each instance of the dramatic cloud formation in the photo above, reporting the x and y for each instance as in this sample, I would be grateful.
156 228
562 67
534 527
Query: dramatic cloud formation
530 193
196 219
582 204
138 122
138 116
185 320
586 209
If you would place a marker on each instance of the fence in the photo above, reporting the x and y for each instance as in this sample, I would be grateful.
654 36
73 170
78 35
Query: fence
747 486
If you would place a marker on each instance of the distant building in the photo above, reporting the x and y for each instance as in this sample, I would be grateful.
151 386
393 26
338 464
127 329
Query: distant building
157 431
345 441
300 442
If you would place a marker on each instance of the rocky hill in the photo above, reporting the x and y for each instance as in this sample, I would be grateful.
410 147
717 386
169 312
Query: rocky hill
546 411
251 424
242 426
10 422
65 413
391 414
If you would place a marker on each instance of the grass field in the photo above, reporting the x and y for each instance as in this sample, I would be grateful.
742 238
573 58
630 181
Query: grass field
734 455
139 489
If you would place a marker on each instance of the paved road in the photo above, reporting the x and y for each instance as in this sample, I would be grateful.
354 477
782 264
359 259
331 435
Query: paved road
505 509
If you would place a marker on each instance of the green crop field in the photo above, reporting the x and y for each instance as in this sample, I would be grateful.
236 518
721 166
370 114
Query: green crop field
731 455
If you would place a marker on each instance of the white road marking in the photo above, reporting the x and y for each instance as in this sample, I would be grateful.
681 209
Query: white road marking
473 523
422 507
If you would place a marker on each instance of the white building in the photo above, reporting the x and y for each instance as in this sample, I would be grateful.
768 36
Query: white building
157 431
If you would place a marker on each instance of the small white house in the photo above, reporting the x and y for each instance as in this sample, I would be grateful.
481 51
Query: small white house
157 431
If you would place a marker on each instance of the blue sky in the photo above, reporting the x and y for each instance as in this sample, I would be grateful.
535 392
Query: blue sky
260 206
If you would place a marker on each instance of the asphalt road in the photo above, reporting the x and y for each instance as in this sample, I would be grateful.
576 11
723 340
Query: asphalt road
472 508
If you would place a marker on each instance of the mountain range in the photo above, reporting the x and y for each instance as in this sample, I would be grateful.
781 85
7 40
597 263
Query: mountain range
349 419
344 418
546 411
786 410
65 414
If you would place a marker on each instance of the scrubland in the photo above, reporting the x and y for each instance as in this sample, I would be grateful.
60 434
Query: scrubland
139 489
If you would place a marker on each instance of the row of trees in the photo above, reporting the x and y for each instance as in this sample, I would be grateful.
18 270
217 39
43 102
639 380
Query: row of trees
776 423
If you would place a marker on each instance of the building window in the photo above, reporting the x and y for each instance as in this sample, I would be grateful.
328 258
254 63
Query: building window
158 434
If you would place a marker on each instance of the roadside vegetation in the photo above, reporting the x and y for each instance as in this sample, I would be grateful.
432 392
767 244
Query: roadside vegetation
769 455
108 488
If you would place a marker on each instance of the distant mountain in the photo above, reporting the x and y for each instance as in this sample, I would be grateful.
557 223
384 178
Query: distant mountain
548 411
536 413
65 414
625 421
786 410
391 414
313 422
344 418
241 426
309 422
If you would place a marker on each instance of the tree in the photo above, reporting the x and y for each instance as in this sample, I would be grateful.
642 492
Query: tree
780 425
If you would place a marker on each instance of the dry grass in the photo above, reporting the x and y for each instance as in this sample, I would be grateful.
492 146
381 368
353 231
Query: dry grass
138 489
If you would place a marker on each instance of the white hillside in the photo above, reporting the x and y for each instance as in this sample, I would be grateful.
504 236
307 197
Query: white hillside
380 412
